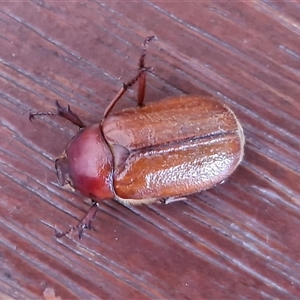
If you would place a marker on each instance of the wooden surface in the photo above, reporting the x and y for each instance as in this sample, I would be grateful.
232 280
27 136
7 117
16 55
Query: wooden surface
239 240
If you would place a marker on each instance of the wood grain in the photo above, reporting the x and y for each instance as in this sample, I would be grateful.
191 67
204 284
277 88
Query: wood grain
238 240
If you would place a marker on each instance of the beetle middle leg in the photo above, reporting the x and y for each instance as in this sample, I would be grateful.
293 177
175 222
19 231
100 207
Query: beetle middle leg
85 223
140 77
64 112
143 69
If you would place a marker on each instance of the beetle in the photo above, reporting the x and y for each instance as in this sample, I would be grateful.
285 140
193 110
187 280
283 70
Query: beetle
162 151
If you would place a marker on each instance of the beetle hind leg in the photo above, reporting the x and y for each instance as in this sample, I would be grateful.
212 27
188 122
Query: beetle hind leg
173 199
143 70
64 112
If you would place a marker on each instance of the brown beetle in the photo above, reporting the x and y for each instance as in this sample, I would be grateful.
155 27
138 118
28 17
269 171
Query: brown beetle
162 151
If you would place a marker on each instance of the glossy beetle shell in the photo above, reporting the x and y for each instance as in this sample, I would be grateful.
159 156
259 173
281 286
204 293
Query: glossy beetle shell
167 149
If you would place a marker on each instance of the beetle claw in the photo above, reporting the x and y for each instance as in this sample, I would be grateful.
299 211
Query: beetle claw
59 234
148 39
31 117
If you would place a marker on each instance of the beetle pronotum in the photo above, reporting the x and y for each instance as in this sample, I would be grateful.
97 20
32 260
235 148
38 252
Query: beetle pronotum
164 150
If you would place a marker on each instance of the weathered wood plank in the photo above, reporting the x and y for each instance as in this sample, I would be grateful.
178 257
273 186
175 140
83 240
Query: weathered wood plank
238 240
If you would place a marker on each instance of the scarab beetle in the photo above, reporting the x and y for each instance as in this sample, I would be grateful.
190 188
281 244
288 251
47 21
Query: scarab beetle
164 150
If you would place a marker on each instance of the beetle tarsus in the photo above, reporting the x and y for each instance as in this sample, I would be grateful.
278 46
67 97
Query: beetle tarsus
85 223
144 50
39 113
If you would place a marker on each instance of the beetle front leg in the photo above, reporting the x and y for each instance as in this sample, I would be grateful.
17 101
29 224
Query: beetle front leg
64 112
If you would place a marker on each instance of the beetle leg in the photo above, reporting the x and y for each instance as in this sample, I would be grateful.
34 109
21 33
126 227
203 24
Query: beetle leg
85 223
143 70
141 77
64 112
62 170
174 199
